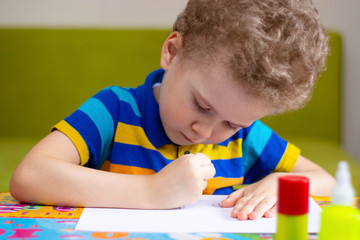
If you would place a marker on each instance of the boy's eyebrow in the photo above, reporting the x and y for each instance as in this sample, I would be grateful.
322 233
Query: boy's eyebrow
210 106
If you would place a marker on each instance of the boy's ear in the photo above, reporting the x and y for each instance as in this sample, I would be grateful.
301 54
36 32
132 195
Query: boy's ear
170 49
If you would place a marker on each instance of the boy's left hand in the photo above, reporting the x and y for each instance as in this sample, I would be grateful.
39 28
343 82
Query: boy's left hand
259 199
254 201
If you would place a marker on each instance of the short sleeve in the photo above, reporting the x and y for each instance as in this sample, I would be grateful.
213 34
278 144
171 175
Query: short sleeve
92 127
264 152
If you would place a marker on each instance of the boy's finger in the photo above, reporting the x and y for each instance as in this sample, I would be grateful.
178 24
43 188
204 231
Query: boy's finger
201 159
208 171
232 199
271 212
262 207
242 209
204 185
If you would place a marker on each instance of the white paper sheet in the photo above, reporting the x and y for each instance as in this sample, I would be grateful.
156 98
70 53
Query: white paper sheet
205 215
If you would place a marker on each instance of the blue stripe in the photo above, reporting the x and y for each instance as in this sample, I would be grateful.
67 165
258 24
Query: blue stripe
137 156
103 120
111 102
223 191
125 96
225 167
255 143
127 116
84 125
268 160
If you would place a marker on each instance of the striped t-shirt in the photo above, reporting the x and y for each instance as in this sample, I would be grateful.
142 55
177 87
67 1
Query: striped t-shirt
120 130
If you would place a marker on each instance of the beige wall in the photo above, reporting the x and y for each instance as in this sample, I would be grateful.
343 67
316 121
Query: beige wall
90 13
340 15
344 16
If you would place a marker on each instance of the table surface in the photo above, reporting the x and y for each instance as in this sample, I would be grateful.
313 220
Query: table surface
27 221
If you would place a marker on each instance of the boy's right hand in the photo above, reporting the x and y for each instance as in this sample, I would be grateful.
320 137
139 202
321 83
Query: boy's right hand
182 181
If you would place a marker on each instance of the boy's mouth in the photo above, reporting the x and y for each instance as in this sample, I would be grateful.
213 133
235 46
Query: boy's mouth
187 139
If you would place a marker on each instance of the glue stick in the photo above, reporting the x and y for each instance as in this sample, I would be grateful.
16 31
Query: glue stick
341 220
293 208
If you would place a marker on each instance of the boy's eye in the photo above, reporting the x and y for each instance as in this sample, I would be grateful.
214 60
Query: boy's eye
201 108
229 126
204 109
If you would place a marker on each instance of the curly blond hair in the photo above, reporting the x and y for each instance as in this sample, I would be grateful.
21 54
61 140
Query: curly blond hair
276 48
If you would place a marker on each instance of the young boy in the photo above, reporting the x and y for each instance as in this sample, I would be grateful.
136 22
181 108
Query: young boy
193 127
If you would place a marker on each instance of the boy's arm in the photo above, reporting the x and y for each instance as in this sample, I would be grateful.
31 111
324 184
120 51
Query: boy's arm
258 199
50 174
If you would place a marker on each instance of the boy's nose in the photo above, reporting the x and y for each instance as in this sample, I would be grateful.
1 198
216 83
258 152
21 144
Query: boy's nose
203 130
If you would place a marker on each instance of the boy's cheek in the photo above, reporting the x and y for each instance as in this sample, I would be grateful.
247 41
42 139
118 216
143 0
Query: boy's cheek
220 136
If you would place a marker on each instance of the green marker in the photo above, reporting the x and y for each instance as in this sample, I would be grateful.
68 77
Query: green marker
293 208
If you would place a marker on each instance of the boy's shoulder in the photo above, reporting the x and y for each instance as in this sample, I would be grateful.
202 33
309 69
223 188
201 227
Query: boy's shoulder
121 93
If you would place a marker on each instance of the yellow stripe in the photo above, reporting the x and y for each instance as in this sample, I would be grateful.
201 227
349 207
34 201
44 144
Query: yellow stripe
118 168
220 182
233 150
132 135
289 159
169 151
214 152
135 135
76 138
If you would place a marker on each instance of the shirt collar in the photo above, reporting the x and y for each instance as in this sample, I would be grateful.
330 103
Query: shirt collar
151 120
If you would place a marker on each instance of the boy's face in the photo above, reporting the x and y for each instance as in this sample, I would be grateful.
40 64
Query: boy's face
200 104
